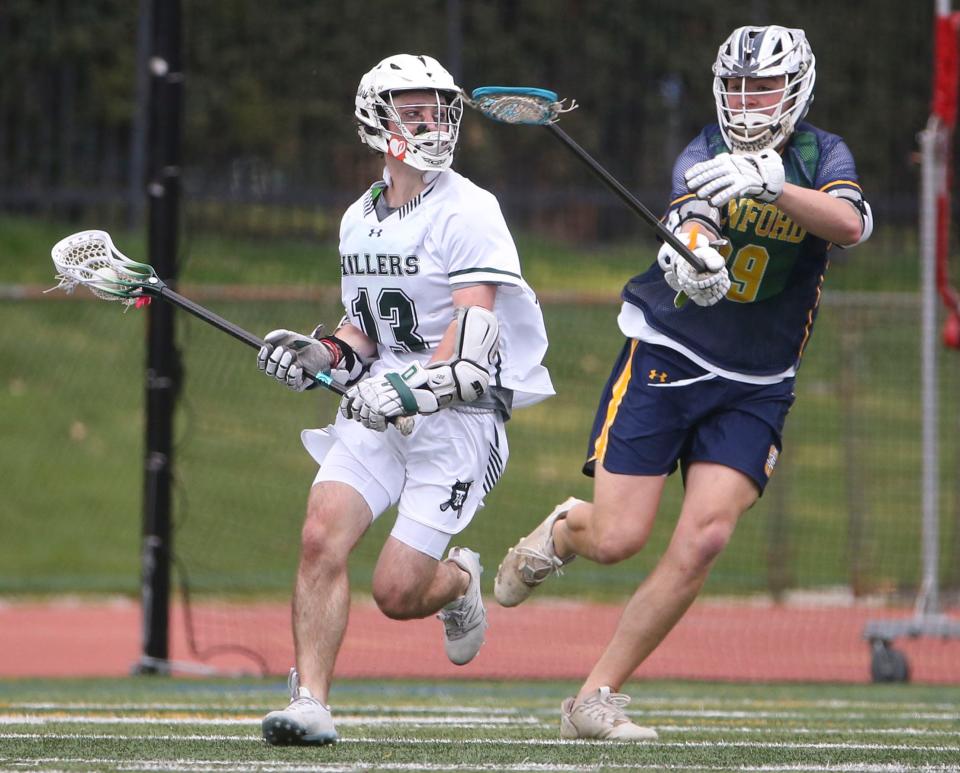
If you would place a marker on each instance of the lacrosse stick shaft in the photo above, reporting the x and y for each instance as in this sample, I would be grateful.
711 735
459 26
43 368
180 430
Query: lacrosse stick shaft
227 327
632 201
404 424
89 258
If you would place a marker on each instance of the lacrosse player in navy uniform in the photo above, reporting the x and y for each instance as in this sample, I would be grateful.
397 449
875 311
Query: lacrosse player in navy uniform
441 329
760 197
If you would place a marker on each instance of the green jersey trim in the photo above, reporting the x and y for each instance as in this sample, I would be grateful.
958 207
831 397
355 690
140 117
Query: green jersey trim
482 270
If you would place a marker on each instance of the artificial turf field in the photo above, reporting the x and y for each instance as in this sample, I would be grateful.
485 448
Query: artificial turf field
157 723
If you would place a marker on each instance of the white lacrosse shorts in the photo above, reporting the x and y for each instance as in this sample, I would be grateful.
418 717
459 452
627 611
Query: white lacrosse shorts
437 476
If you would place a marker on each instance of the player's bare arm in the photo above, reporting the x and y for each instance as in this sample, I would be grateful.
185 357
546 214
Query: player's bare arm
359 341
831 218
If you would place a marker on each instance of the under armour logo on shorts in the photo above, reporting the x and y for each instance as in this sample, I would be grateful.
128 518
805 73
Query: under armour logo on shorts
655 375
458 497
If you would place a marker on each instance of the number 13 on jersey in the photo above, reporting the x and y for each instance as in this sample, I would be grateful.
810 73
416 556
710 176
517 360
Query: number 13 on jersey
390 320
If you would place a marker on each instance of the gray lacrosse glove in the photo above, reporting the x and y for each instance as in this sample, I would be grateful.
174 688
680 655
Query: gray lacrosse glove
726 177
287 356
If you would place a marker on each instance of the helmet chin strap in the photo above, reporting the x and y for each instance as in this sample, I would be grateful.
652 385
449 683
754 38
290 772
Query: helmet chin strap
425 177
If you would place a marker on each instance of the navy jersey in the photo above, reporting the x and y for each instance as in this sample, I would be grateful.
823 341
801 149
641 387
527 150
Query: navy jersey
776 267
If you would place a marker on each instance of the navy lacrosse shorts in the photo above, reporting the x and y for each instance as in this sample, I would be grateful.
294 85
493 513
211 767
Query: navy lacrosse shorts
660 408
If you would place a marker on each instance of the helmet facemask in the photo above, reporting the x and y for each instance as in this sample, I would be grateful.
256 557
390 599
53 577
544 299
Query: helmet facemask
753 53
423 132
410 108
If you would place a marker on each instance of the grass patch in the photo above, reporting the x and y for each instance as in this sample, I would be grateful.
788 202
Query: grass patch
170 724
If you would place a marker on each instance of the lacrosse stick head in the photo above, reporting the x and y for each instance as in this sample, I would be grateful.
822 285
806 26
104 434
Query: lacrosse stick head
89 258
520 104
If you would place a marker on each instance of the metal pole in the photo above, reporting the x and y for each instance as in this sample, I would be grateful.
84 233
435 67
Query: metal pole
888 664
163 366
931 150
138 129
454 61
935 152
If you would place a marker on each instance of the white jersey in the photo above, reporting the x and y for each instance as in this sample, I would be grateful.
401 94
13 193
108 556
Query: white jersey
398 275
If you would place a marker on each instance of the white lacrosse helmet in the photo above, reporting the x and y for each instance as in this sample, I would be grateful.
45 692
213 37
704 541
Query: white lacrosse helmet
425 150
763 52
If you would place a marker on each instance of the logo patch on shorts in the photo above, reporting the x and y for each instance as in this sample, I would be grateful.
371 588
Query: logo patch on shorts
772 455
458 497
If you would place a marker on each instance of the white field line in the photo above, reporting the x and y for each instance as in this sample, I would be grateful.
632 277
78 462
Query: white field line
843 746
416 721
678 729
192 707
197 766
709 714
540 716
696 705
482 722
800 704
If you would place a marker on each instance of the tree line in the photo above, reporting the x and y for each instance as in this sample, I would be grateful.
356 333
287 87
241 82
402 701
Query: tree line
269 93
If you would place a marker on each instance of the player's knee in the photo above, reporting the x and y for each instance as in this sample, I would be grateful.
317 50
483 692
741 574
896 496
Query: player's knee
395 601
319 536
708 541
612 545
613 550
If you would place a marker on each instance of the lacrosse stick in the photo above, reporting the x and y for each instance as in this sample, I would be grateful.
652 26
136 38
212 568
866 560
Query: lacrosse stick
89 258
540 107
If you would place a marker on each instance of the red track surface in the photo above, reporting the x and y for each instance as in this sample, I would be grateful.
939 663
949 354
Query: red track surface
538 640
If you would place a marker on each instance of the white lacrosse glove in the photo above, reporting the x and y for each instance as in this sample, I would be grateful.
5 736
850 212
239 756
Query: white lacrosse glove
287 356
667 258
373 401
708 287
726 177
418 390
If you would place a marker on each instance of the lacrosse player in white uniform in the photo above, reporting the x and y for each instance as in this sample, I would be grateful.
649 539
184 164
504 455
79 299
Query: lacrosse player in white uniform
441 332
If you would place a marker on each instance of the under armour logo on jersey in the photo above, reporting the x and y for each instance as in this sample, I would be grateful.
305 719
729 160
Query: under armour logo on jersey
375 232
458 497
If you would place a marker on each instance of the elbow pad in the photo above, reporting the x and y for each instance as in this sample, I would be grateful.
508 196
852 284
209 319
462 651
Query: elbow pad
696 210
856 200
476 348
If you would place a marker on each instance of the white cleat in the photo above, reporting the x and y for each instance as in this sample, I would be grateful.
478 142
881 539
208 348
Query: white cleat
305 721
532 560
464 619
601 717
